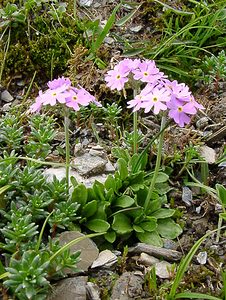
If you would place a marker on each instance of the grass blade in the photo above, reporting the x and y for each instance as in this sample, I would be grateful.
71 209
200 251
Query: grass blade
195 296
96 45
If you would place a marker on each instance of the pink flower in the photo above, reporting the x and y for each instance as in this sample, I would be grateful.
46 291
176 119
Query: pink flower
155 100
131 64
147 72
79 97
138 100
56 83
51 96
117 77
195 103
181 111
179 91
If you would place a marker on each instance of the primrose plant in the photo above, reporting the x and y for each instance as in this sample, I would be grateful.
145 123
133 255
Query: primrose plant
153 91
60 91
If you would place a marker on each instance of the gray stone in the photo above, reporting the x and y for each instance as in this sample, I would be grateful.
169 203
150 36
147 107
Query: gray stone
88 165
136 28
6 96
70 289
187 196
93 292
86 3
147 260
6 107
89 250
105 259
208 154
202 258
164 269
127 287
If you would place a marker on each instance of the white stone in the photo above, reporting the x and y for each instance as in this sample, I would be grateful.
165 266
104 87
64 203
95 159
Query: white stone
106 258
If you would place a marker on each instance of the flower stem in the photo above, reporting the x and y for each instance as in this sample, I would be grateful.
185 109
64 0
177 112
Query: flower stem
135 118
67 147
135 138
157 165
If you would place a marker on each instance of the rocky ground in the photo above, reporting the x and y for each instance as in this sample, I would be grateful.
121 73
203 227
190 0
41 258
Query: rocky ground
124 274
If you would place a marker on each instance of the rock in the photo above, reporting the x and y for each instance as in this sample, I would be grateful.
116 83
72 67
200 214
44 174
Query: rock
60 174
202 122
6 107
6 96
208 154
86 3
129 286
105 259
163 269
109 168
109 40
88 165
187 196
147 260
70 289
168 254
202 258
89 250
136 28
93 292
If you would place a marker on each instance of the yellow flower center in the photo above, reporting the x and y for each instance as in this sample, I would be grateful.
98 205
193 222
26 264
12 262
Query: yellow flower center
145 73
155 99
54 94
74 98
118 76
180 108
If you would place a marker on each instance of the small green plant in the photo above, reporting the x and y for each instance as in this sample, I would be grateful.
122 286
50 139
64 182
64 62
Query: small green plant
180 273
214 69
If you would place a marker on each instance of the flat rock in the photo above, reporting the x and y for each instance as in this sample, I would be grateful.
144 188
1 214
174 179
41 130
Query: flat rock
70 289
168 254
147 260
93 292
129 286
89 250
6 96
163 269
60 174
105 259
88 165
208 154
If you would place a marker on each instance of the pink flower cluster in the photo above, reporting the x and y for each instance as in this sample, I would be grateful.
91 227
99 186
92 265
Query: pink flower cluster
159 93
60 90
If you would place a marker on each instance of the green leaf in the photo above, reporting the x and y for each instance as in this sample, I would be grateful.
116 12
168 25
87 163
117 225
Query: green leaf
221 192
151 238
168 229
110 236
98 225
163 213
96 45
137 228
188 295
121 224
176 11
80 194
89 209
4 188
150 225
99 190
162 177
124 201
153 206
122 167
127 17
110 183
